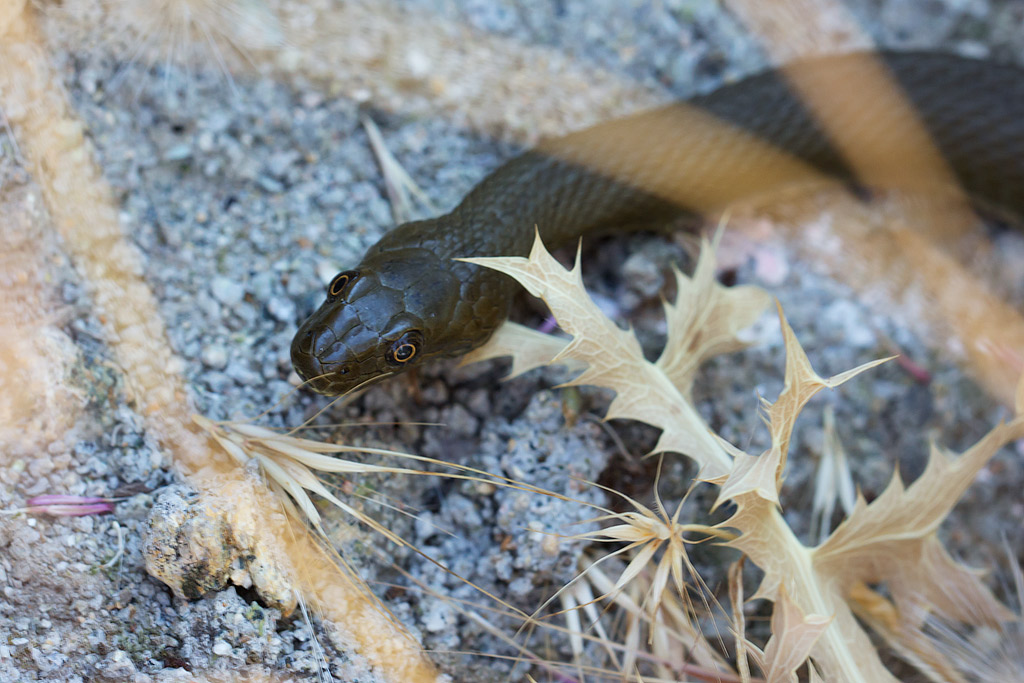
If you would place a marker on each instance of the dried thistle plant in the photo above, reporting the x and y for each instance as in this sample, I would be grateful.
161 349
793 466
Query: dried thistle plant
815 590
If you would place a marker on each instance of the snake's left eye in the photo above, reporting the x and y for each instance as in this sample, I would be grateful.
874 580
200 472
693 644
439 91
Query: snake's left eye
339 283
405 348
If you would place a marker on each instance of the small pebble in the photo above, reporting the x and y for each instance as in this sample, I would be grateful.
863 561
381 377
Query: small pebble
279 162
643 275
333 198
215 356
242 373
226 290
178 153
270 185
218 121
849 324
282 308
262 285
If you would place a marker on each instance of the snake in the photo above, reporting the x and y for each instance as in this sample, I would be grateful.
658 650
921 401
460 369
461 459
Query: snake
409 301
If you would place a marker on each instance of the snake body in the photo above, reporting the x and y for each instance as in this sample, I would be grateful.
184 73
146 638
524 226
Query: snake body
408 301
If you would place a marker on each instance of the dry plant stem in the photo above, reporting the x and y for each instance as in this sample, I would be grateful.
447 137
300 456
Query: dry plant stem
399 184
85 214
778 547
739 619
37 405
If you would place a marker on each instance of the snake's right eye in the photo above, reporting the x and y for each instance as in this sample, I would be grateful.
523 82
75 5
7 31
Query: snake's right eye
339 283
405 348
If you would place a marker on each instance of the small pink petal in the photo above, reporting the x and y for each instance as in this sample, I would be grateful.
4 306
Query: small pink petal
70 510
64 499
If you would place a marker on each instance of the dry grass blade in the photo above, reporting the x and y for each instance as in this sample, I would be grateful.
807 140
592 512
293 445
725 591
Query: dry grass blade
678 644
985 654
290 464
399 184
739 619
833 481
580 597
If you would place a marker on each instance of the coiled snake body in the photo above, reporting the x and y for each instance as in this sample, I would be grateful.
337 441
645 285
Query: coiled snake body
408 301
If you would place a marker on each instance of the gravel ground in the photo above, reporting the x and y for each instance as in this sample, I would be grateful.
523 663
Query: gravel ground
246 195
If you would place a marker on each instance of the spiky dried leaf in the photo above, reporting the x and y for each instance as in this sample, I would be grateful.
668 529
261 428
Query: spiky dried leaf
614 359
893 539
906 638
793 635
762 475
705 320
801 384
843 650
527 347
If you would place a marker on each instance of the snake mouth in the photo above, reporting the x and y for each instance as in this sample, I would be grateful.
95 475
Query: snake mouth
339 380
321 383
324 378
330 379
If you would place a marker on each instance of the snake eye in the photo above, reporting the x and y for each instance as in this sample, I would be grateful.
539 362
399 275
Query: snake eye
404 352
339 283
405 348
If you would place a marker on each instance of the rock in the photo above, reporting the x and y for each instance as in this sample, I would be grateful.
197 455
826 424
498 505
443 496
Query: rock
226 290
192 545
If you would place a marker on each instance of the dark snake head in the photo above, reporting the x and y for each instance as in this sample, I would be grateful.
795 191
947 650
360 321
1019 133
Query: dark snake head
379 320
